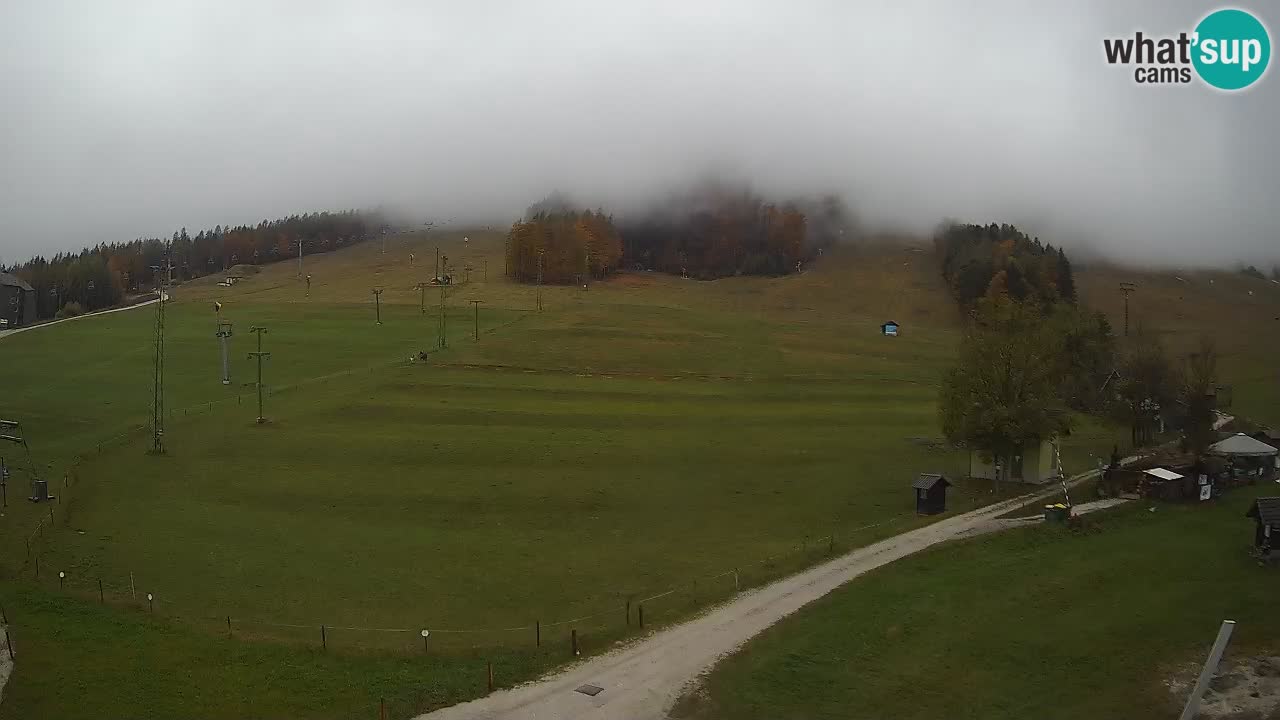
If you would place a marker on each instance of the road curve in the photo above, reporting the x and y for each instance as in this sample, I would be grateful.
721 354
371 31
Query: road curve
643 679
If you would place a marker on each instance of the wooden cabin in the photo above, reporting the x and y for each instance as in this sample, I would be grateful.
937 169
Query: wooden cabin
1266 516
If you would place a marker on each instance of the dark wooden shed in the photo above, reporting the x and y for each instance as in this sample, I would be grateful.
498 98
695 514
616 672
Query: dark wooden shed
931 493
1266 516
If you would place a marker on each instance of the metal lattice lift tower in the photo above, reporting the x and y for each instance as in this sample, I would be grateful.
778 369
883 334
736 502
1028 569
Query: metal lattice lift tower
224 335
157 365
442 338
1127 288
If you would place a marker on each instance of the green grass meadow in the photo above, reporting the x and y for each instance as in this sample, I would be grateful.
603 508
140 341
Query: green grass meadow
647 435
1038 622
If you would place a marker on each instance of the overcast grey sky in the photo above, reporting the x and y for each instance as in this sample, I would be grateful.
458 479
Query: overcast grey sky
125 119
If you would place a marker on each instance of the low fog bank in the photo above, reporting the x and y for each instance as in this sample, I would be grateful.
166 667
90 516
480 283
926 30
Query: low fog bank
127 120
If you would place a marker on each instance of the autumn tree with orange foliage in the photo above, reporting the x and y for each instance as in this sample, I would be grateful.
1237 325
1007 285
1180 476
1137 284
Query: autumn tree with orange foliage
574 246
717 230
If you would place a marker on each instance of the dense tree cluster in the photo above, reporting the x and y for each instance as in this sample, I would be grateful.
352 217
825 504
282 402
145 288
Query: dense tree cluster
86 279
1021 367
100 276
1088 355
718 231
986 260
710 231
573 245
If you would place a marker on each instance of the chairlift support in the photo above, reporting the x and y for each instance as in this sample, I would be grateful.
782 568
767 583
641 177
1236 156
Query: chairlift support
15 436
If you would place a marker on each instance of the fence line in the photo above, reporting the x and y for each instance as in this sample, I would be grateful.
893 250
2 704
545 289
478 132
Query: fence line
806 551
71 477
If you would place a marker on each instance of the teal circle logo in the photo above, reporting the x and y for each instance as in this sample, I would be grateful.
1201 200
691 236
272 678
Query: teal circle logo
1232 49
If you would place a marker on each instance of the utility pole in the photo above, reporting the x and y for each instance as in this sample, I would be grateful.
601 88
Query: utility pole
476 303
1126 288
422 301
443 340
377 303
259 331
157 363
224 332
540 253
437 262
299 257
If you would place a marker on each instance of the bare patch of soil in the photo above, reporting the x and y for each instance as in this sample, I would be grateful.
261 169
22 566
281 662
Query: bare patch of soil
1243 689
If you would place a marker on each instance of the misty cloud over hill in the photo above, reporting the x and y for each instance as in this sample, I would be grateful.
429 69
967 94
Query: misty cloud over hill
125 120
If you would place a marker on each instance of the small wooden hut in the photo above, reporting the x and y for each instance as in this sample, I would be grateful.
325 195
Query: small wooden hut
931 493
1266 516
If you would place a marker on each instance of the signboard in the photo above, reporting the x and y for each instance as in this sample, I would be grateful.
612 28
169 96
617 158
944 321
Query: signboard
1205 491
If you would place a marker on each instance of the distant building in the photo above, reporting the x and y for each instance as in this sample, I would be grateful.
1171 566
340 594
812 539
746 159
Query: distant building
1035 463
890 329
17 302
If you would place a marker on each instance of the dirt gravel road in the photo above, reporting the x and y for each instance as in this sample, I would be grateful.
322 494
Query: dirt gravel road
643 679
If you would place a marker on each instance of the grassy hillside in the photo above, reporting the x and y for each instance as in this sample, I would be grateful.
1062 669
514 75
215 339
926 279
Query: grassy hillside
1241 314
643 435
1083 624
